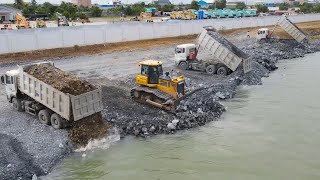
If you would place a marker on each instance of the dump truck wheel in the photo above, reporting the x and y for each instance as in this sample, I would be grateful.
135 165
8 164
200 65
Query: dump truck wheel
211 69
44 117
17 104
222 71
183 65
56 121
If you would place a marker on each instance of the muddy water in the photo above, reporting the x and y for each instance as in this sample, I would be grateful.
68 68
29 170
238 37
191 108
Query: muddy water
269 132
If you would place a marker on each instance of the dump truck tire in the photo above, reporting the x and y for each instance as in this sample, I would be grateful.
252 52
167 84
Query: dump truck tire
56 121
44 117
211 69
183 65
17 104
222 71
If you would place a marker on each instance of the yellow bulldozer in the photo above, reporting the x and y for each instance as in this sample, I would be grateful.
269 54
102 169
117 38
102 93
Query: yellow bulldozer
156 88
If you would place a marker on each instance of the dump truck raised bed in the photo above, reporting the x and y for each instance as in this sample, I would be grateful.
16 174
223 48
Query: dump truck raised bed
287 26
52 106
226 57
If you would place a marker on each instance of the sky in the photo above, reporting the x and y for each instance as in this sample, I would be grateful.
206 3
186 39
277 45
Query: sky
107 1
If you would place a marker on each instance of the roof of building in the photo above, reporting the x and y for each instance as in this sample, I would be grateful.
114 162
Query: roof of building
8 9
201 3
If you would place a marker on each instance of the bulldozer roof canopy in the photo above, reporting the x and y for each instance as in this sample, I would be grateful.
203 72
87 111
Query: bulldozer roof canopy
150 63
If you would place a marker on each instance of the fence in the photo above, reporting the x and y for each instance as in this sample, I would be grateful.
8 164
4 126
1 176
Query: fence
48 38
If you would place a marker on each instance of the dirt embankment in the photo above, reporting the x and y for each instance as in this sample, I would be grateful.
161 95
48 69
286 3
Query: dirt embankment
311 28
92 49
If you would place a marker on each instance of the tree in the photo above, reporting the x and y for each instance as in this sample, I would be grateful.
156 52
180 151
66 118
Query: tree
262 9
40 10
306 8
34 3
83 16
128 11
241 5
19 4
316 8
66 14
220 4
167 8
96 12
283 7
194 5
49 8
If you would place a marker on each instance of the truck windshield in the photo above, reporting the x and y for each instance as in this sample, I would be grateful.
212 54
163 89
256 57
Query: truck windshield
9 80
179 50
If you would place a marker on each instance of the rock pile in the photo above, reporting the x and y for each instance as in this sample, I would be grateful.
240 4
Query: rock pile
137 119
269 52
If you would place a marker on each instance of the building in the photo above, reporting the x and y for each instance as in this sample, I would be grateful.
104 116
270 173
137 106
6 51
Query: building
161 2
8 13
84 3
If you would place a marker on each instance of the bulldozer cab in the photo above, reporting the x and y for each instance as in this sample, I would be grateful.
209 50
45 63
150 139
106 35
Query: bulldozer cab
151 70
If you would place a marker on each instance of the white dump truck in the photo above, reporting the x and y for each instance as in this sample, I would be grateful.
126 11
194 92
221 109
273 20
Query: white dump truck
285 24
29 94
225 57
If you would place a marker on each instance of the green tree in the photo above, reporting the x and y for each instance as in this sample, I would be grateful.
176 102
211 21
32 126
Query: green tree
28 10
262 9
40 10
194 5
19 4
83 16
220 4
128 11
49 8
167 8
241 5
34 3
96 12
283 7
66 14
306 8
316 8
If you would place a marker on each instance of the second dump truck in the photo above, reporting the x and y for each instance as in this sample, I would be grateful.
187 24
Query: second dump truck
225 57
286 25
52 106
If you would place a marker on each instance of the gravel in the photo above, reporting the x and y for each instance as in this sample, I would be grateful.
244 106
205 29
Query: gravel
30 147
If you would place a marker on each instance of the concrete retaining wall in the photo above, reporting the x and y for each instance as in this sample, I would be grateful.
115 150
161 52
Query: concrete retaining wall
37 39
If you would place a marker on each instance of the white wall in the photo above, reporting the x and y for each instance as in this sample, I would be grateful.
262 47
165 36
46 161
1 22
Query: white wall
37 39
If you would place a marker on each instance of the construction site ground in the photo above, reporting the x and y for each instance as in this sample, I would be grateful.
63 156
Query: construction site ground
114 67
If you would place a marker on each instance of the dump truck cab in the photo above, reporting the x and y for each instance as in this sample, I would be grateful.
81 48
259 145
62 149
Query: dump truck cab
9 80
184 53
152 76
263 33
